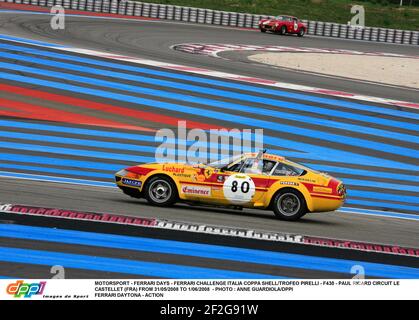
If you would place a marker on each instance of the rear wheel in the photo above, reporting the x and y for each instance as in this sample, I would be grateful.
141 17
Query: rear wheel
161 191
289 205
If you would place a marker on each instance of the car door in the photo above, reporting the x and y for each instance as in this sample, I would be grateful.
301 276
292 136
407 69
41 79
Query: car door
289 24
247 185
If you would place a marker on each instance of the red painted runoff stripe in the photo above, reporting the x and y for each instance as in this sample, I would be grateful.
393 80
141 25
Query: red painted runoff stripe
147 116
30 111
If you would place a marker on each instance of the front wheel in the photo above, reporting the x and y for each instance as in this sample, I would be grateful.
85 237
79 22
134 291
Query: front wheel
289 205
283 30
262 30
301 32
161 191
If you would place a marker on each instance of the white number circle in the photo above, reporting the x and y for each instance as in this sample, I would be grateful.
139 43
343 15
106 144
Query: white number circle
239 189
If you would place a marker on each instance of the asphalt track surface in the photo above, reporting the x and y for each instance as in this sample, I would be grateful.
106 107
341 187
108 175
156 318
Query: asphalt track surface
151 39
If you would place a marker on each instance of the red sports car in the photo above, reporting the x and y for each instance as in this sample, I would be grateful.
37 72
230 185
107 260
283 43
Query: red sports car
283 25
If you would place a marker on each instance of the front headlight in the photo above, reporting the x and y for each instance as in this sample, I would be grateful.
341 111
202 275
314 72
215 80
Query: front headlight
122 172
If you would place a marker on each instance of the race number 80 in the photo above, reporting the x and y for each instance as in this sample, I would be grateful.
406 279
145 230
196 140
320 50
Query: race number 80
239 189
245 186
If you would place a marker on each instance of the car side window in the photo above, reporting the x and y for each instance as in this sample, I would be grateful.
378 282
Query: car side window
268 166
285 170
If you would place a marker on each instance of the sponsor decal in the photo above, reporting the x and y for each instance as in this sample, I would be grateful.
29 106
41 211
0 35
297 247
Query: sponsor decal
220 178
173 169
322 190
130 182
307 180
197 190
184 175
273 157
201 178
21 289
290 183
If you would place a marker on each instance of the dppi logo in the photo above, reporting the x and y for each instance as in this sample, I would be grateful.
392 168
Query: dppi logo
27 290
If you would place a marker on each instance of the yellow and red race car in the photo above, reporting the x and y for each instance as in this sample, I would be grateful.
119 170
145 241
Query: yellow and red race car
250 180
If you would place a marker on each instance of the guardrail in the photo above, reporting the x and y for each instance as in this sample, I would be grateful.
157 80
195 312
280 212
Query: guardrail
224 18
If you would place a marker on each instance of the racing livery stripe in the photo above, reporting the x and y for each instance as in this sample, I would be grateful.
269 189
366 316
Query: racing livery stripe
216 184
325 197
140 170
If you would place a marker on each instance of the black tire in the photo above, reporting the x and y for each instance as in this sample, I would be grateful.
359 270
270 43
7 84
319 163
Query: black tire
289 205
161 191
283 30
262 30
302 32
